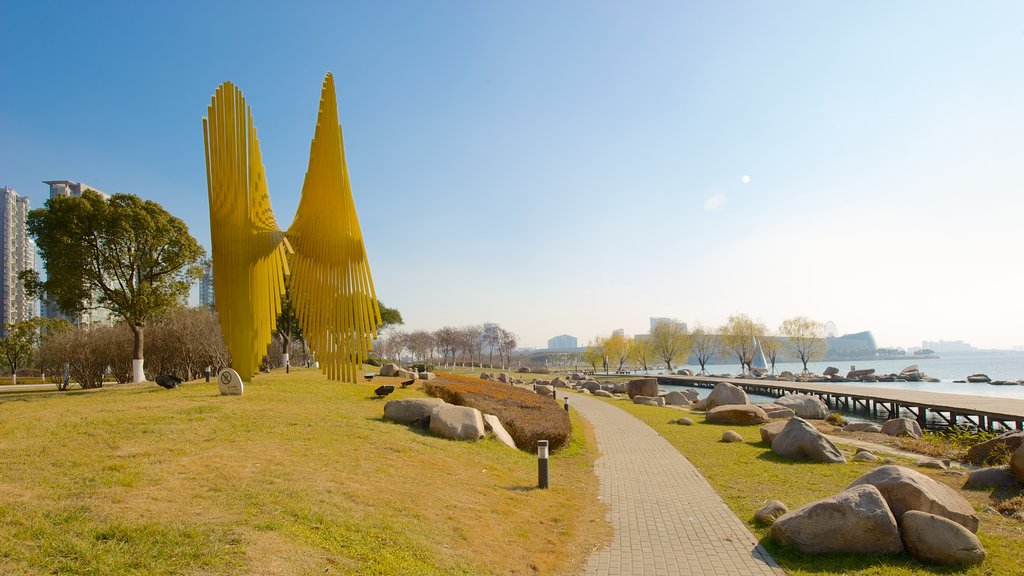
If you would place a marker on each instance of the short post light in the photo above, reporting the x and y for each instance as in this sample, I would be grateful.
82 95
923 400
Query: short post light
566 403
208 372
554 393
542 464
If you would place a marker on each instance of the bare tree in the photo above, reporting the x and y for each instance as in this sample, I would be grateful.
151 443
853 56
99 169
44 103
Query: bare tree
506 346
447 339
492 336
705 346
771 345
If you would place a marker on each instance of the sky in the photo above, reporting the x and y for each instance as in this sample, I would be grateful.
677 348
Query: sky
578 167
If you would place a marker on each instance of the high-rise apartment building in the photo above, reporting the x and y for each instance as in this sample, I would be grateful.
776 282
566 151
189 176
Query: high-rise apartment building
206 296
19 253
90 316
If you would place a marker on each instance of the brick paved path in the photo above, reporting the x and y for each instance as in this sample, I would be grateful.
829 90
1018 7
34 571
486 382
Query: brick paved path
667 518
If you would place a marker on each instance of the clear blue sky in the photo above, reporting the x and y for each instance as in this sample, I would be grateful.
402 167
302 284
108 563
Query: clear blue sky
576 167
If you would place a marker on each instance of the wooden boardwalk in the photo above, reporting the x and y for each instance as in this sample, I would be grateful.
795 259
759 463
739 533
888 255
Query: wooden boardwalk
985 412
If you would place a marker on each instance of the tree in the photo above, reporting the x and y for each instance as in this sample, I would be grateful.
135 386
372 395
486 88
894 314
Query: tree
771 345
389 316
287 326
804 338
492 338
670 342
136 259
739 333
17 344
640 352
617 348
447 339
705 346
506 346
594 353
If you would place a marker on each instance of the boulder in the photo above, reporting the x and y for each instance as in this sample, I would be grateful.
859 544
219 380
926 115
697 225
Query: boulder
901 427
577 376
649 400
407 374
990 451
642 387
1017 463
747 414
427 376
559 382
457 422
492 423
830 371
804 406
771 430
681 397
800 440
503 378
905 489
861 427
729 436
785 374
724 393
978 379
768 513
854 521
684 372
602 393
486 376
411 410
933 539
775 411
524 370
591 385
865 456
996 477
860 373
389 369
619 387
683 421
910 369
543 390
933 464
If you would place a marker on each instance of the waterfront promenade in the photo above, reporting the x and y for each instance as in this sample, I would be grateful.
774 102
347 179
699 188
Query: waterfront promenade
667 518
990 413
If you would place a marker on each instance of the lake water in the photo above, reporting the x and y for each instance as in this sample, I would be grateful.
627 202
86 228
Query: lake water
998 366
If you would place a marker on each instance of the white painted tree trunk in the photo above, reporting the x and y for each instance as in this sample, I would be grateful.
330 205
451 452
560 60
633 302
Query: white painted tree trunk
287 361
137 374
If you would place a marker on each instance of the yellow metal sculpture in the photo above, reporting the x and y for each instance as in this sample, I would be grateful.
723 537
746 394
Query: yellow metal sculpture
329 276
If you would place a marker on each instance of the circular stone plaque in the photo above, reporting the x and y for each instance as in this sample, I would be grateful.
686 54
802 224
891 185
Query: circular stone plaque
229 382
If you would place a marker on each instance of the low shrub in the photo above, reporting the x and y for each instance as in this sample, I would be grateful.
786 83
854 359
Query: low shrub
540 370
374 361
422 367
836 419
528 417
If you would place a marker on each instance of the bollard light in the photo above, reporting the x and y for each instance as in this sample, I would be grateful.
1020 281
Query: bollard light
208 370
542 464
554 394
566 403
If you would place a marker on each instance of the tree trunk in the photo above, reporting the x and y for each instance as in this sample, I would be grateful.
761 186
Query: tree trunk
138 375
14 374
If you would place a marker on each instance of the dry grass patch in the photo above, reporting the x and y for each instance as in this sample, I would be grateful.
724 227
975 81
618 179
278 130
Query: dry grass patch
528 417
298 476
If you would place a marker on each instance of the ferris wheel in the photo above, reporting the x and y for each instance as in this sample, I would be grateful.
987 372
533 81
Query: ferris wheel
830 329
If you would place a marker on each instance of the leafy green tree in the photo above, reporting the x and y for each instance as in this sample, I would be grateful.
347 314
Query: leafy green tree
739 333
670 342
130 255
17 344
640 352
616 348
389 316
594 353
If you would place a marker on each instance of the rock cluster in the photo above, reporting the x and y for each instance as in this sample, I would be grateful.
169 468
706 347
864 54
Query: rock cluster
887 510
446 420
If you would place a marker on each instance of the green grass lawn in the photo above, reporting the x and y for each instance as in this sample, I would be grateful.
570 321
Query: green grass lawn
748 474
298 476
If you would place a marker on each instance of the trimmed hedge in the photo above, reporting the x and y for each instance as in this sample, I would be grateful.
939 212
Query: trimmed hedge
528 417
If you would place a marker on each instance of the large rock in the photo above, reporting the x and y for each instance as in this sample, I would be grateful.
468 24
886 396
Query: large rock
649 400
559 383
684 372
933 539
602 393
543 389
853 521
831 371
857 374
905 489
457 422
776 411
389 369
427 376
619 387
901 427
804 406
737 414
800 440
990 451
771 510
503 377
724 393
730 436
861 427
996 477
411 410
978 378
406 374
771 430
681 397
642 387
1017 463
591 385
494 425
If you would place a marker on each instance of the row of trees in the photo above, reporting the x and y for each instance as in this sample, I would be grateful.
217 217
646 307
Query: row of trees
450 345
181 342
672 344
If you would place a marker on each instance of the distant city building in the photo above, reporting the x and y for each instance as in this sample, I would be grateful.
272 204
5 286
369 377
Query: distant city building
90 316
206 296
19 253
656 321
947 346
563 342
619 332
859 345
